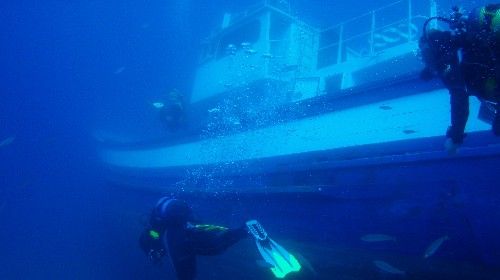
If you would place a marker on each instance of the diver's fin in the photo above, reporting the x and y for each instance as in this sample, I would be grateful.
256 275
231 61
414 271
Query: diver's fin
263 263
280 260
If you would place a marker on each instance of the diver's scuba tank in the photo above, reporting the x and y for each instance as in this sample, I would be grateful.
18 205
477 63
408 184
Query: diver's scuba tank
457 22
484 19
438 47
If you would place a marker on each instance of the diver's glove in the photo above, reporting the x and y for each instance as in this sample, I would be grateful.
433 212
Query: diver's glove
454 140
156 255
456 135
451 147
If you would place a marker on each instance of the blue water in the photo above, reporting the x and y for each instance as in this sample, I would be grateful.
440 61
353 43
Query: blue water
70 68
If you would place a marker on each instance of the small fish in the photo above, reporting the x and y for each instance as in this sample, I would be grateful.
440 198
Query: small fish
377 238
385 107
7 141
385 267
231 49
158 105
119 70
250 51
267 55
245 44
409 131
432 249
214 110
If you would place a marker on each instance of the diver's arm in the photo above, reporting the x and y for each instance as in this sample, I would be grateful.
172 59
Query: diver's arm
459 101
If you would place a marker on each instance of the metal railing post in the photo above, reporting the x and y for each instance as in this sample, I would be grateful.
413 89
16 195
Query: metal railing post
372 35
433 13
339 50
409 21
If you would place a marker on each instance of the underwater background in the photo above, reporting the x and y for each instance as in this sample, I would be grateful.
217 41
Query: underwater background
71 68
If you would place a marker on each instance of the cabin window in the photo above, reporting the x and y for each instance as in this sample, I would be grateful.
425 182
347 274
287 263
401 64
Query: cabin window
279 27
329 56
334 83
328 38
235 39
328 48
279 35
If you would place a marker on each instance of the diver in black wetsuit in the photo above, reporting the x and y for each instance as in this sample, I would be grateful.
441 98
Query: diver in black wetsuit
467 60
171 233
171 111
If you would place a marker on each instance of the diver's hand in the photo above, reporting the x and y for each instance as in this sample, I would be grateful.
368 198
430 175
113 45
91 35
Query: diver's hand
155 256
451 147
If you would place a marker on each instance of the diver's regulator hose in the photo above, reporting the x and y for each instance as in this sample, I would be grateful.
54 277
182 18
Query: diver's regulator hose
424 31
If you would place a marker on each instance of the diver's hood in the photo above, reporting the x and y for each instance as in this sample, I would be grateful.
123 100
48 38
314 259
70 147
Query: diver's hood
170 212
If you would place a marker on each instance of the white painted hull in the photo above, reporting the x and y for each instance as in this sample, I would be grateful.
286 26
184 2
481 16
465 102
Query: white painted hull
410 118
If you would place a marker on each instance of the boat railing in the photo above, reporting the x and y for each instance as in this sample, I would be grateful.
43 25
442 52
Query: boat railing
373 32
281 6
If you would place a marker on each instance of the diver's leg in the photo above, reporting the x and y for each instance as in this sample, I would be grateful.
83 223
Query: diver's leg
216 242
232 236
181 254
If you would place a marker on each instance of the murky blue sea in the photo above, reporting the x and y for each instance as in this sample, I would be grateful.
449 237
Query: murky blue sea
79 77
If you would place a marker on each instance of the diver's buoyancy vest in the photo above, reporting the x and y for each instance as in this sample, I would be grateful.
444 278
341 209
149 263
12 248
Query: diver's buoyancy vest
489 17
483 24
483 50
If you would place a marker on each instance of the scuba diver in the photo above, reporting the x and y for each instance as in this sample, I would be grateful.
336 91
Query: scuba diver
171 110
171 233
467 60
